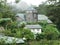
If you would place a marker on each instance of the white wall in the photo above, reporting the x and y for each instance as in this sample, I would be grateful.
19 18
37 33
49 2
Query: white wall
36 31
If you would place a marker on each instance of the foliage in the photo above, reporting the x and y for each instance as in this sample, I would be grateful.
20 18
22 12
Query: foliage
22 25
3 42
19 33
12 25
42 8
43 23
51 32
51 8
40 36
8 33
32 23
6 12
27 34
45 42
53 13
17 1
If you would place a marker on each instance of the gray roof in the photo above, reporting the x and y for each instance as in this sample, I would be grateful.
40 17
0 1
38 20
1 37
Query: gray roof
21 15
43 18
31 8
49 21
11 39
33 26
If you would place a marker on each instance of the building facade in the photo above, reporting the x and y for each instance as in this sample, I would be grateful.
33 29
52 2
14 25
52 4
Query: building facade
31 15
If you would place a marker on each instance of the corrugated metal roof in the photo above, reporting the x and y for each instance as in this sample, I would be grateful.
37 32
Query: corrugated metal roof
33 26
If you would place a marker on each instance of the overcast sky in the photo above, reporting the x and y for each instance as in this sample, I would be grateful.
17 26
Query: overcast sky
33 2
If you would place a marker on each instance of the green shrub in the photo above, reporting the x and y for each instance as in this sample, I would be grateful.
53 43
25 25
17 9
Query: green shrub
40 36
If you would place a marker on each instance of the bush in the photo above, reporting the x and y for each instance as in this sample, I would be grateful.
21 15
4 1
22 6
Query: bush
51 32
27 34
40 36
3 42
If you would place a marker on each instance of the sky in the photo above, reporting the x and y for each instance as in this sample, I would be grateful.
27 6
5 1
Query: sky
30 2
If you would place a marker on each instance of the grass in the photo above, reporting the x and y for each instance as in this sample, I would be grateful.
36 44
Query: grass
45 42
41 42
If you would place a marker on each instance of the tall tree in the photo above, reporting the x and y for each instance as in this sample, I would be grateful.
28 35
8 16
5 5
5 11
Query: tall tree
17 1
6 11
53 11
51 1
42 8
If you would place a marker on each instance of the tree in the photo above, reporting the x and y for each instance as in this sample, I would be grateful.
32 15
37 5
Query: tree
27 34
51 1
6 10
16 1
54 14
51 32
51 9
42 8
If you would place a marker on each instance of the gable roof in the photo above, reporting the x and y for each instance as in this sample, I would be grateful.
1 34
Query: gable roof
43 18
31 8
21 15
49 21
33 26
